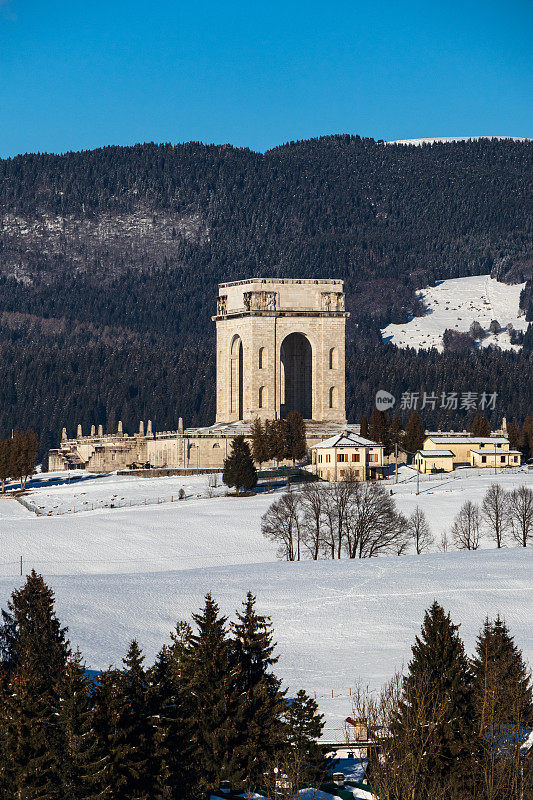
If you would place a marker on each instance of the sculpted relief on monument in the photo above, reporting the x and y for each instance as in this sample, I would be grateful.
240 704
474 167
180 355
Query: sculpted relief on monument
332 301
260 301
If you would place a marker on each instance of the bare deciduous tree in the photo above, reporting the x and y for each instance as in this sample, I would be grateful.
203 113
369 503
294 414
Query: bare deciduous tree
419 531
465 528
281 524
312 502
373 525
495 513
521 510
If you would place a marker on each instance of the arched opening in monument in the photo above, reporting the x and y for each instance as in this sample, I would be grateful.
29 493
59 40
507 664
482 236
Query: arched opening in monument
297 378
236 373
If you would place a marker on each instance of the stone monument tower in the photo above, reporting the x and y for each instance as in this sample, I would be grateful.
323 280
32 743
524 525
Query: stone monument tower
280 348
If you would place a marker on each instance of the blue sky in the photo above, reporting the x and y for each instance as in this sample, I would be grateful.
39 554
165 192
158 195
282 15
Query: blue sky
76 75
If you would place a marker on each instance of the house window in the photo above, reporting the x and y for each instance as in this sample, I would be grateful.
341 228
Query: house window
483 459
515 458
341 473
356 457
328 458
342 457
356 472
502 459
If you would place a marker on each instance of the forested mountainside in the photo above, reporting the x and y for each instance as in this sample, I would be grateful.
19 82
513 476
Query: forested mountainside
109 261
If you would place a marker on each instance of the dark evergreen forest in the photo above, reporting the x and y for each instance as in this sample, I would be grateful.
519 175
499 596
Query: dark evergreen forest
110 259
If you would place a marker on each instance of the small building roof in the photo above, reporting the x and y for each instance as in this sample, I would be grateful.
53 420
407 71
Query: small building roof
346 439
495 452
436 453
467 439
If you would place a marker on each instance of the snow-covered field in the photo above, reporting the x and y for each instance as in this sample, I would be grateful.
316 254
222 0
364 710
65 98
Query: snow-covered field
455 304
120 573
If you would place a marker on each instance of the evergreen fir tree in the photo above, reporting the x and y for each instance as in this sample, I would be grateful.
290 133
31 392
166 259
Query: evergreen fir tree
166 723
83 768
501 683
480 426
436 709
414 433
239 469
278 440
120 740
211 675
32 746
303 727
262 704
296 445
525 443
31 626
259 443
378 426
135 727
171 712
513 434
34 656
364 427
395 433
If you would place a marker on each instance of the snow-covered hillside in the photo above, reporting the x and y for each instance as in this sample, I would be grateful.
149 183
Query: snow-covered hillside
456 303
120 573
418 142
187 534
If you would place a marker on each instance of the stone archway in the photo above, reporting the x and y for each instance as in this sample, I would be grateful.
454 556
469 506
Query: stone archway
297 375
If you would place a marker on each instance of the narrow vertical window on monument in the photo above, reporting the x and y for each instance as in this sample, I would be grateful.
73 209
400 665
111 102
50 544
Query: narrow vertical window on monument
236 377
333 358
333 397
263 358
263 396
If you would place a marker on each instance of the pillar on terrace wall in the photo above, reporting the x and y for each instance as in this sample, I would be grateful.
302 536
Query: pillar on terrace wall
79 433
141 428
64 436
180 425
93 430
149 428
119 430
100 430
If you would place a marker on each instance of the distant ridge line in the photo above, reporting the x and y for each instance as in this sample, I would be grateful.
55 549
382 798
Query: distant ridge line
418 142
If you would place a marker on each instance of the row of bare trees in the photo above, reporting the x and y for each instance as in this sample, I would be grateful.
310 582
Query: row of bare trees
359 520
345 519
503 516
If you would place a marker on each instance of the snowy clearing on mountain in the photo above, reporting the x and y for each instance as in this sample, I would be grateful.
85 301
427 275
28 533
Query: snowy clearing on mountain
455 304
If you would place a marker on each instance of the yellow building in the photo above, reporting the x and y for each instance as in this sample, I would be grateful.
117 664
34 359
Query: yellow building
447 450
345 455
495 458
462 445
434 460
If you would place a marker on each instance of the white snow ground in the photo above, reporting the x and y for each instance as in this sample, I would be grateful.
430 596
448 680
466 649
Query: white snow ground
456 303
120 573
